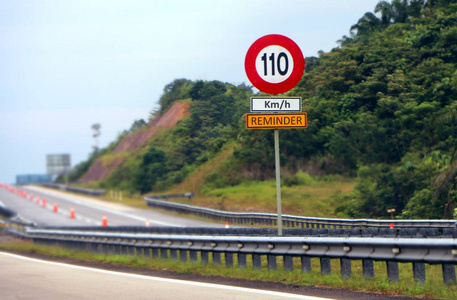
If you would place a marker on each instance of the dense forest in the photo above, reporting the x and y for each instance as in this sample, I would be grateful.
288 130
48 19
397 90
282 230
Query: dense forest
382 107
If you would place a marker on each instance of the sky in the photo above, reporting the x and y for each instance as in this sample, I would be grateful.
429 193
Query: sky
68 64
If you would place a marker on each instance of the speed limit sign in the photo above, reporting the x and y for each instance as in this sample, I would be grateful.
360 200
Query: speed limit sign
274 64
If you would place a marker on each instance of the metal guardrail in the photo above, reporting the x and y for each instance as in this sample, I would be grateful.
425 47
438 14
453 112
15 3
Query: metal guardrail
74 189
169 196
6 212
271 232
15 227
290 221
418 251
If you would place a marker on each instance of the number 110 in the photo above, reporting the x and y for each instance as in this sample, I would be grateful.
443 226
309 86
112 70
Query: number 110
271 58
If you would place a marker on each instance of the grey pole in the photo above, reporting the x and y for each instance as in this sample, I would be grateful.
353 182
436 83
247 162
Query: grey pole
278 181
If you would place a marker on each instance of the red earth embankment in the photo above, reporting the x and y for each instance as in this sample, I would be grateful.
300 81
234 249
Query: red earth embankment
100 169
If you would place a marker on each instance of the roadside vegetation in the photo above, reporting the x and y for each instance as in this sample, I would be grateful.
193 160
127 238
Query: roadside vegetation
433 287
382 111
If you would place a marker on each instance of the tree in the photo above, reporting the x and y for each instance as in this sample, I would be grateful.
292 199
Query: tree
366 25
445 183
96 128
176 90
152 169
137 124
397 11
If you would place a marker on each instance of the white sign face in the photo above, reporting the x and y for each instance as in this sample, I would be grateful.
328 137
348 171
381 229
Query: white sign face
274 64
276 104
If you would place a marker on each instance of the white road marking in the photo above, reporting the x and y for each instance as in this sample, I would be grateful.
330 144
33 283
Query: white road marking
176 281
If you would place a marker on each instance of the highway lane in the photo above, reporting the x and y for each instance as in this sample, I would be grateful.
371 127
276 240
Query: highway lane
27 278
89 211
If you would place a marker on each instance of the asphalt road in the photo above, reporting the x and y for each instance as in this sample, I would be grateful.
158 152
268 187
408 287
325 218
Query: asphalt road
29 278
89 211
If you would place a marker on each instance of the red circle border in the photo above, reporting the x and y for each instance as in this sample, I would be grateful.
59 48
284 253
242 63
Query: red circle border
268 87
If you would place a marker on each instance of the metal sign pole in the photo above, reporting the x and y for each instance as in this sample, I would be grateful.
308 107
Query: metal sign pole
278 181
268 81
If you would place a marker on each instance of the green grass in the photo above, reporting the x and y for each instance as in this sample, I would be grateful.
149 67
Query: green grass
314 197
317 199
407 286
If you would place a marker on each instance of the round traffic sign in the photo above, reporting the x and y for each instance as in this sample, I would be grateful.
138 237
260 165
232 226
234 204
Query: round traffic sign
274 64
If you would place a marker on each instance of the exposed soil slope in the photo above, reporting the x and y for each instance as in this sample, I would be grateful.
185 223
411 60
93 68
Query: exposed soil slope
100 169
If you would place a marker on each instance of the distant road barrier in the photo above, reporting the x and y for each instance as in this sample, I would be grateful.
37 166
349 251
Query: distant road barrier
170 196
418 251
74 189
290 221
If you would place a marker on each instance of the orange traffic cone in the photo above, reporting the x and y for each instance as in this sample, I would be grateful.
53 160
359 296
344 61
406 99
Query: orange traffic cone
55 208
104 221
43 203
147 222
391 225
227 225
37 200
72 213
31 197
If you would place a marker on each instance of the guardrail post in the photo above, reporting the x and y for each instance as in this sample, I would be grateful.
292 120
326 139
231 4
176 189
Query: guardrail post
174 254
204 257
132 250
256 261
419 272
216 258
93 247
82 246
155 252
346 268
241 260
183 255
193 256
326 267
125 249
288 263
306 264
392 271
73 245
87 246
271 262
146 252
228 259
139 251
368 269
42 241
163 253
448 273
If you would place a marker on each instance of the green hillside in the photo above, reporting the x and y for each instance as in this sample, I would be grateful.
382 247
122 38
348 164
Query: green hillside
381 119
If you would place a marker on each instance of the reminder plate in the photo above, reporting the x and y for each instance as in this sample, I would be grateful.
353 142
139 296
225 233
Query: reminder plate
275 104
276 121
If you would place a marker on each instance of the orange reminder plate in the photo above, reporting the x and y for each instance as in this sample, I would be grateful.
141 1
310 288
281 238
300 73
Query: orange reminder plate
276 121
